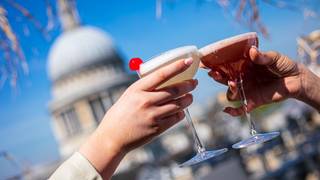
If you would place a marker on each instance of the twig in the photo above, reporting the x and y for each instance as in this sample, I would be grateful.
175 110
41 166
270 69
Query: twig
26 13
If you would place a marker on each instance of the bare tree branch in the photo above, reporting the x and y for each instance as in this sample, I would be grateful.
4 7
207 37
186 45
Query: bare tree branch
242 5
6 29
26 13
51 16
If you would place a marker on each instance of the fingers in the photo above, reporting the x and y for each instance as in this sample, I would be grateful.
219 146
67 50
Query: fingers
201 65
171 120
232 93
239 111
234 111
155 79
174 106
218 77
174 91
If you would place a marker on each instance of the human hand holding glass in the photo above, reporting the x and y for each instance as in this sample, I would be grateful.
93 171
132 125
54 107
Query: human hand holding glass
272 78
139 115
230 63
190 53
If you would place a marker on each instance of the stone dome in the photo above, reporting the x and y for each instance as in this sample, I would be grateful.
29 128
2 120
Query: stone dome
79 49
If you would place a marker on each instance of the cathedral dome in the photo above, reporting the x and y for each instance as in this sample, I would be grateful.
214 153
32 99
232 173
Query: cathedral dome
79 49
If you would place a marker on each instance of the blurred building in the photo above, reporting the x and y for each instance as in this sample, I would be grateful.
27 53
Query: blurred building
309 51
87 75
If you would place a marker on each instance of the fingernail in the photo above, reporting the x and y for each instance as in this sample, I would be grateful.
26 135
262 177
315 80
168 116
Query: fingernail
188 61
254 47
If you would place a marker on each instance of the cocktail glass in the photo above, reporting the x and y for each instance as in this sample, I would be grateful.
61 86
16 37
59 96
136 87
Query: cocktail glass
230 57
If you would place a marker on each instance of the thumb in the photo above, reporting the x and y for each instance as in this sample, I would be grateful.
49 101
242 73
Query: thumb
261 58
277 63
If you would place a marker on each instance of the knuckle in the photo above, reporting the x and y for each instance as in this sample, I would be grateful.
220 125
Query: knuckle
141 100
162 75
154 130
152 117
275 55
181 115
147 102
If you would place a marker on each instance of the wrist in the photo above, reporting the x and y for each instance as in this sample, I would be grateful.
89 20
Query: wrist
299 83
103 153
310 87
294 83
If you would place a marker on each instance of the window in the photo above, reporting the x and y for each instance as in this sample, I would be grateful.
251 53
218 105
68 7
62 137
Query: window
71 122
107 102
101 104
98 109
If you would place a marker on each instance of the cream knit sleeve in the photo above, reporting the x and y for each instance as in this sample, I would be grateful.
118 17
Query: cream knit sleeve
76 167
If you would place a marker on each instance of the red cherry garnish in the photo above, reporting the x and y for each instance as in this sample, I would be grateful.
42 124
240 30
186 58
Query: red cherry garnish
134 64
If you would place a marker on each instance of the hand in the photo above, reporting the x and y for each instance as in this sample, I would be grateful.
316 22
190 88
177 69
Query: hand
141 113
272 78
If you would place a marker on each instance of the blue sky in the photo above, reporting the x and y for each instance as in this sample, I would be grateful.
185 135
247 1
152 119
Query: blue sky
24 119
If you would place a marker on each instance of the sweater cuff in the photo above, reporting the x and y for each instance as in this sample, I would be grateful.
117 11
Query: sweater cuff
76 167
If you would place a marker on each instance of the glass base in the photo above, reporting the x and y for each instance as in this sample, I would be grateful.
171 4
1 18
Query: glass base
205 155
256 139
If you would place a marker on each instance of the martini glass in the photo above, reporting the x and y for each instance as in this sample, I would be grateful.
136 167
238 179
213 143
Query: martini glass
230 58
166 58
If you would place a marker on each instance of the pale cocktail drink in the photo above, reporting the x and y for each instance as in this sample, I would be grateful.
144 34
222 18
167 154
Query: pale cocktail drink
170 57
230 57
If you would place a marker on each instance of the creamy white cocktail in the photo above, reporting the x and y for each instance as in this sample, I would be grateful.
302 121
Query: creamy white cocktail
170 57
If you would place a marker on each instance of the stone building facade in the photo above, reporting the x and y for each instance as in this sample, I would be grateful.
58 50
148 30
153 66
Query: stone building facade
88 76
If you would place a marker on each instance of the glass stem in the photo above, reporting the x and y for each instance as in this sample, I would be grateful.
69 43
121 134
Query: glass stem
198 143
244 103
